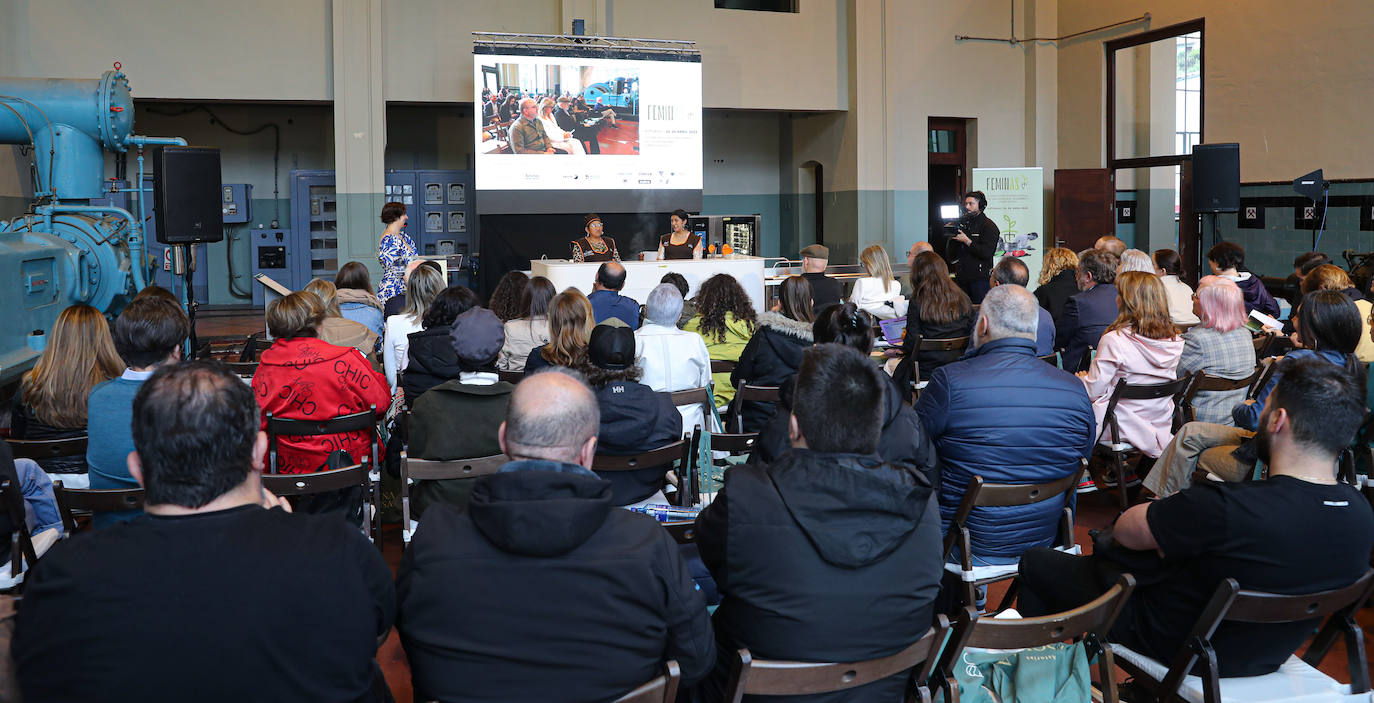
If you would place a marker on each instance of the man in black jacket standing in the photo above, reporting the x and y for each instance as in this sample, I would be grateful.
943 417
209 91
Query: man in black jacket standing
972 247
542 589
833 554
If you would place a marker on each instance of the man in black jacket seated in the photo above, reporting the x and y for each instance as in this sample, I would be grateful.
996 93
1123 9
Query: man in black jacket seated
828 553
568 123
903 439
542 589
634 417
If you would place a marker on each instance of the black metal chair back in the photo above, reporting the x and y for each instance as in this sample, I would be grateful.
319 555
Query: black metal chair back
71 501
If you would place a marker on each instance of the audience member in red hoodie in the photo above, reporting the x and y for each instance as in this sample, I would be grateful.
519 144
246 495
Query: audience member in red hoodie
301 377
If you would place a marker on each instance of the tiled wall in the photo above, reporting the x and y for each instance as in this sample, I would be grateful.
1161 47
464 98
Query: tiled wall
1270 251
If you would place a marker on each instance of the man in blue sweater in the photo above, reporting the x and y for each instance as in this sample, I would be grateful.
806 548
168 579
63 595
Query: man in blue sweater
606 300
147 334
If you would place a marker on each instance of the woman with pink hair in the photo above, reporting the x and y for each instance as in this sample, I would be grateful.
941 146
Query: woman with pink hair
1220 345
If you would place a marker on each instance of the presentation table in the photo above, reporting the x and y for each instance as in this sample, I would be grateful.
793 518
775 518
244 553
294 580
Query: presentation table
642 276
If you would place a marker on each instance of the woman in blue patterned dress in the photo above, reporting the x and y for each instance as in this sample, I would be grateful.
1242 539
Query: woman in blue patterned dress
395 251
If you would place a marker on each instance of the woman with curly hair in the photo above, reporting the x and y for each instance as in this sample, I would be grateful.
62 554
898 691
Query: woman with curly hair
505 300
1058 280
725 320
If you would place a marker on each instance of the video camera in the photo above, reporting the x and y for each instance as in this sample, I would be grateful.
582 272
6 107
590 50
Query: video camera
955 219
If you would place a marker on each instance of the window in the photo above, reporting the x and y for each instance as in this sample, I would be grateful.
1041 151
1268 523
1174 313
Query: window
942 141
761 5
1187 93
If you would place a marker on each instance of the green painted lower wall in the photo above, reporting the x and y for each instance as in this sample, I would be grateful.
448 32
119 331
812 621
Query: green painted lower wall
1270 251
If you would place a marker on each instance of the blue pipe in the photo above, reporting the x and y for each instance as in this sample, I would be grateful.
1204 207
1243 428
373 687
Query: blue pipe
135 254
136 233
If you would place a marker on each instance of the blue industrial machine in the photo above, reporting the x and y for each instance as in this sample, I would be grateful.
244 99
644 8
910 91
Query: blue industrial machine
65 250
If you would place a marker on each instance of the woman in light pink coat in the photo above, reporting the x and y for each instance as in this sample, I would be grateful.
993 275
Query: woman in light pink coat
1141 347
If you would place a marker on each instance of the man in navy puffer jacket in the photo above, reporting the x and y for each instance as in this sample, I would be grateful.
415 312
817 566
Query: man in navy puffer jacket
1003 414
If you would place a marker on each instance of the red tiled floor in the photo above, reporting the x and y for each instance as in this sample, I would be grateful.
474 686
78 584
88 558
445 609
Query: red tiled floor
624 139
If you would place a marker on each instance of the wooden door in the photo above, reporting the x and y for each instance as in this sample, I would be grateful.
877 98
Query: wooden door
1084 206
1189 234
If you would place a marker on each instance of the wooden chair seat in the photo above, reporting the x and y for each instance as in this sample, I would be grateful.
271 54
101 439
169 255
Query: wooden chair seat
1088 624
432 470
1296 679
963 576
765 677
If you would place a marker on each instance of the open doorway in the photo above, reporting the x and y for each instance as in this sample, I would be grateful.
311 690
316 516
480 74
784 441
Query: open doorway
947 164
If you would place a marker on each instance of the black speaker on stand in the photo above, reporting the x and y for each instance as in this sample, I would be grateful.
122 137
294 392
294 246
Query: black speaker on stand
1313 187
187 204
1216 184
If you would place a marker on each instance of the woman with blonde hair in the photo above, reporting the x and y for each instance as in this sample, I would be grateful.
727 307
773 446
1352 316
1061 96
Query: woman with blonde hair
339 330
1058 280
558 137
878 294
51 402
1332 277
1219 345
570 329
1141 347
422 287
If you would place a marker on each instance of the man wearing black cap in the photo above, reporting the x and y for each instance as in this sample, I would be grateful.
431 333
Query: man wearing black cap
825 291
458 419
634 417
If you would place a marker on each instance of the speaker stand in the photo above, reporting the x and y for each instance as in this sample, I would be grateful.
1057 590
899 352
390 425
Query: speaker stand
184 263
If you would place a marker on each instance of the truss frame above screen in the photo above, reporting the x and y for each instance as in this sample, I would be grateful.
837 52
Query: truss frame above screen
581 45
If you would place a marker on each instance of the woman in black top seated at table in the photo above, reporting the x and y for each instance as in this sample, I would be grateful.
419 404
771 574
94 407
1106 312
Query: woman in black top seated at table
594 247
680 243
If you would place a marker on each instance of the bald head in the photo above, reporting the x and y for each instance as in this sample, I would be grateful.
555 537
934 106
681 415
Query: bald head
1110 243
916 250
611 276
554 416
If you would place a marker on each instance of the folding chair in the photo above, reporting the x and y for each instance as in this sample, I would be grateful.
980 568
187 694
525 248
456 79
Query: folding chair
356 422
722 366
43 449
660 689
958 344
24 552
332 480
768 677
1207 382
71 501
1088 624
430 470
746 393
1051 359
683 532
733 443
967 578
1120 450
664 456
510 376
1267 367
1297 678
242 368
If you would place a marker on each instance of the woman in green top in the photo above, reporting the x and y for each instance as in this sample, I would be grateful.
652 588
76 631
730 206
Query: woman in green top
725 320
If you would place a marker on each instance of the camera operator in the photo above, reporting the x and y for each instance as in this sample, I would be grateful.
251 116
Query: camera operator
971 248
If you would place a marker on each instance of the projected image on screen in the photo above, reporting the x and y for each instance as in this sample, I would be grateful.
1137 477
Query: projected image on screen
567 109
573 123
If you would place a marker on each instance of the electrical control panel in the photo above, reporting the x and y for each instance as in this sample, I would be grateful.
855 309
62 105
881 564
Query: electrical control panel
273 254
236 202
